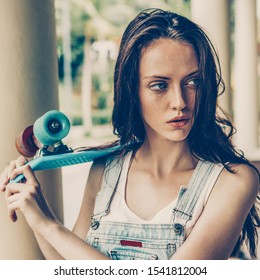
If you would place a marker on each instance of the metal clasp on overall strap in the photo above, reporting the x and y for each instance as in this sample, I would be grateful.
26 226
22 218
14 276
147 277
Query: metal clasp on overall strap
95 224
178 228
181 220
95 219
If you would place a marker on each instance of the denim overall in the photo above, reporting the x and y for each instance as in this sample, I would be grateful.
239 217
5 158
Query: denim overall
127 241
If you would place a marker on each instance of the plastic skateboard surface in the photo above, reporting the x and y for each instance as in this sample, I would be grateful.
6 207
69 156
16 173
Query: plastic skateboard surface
61 160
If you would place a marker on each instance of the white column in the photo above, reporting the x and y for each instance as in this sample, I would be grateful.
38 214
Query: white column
66 41
213 16
245 75
29 88
86 87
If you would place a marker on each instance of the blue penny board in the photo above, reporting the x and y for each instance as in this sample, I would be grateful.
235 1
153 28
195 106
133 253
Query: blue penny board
66 159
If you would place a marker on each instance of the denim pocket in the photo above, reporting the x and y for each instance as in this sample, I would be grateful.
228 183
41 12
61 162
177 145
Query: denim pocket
127 254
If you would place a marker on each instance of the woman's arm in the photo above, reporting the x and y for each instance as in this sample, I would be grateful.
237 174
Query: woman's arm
72 245
54 239
68 244
48 251
93 185
217 230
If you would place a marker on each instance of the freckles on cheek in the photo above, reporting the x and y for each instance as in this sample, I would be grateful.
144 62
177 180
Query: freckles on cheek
151 113
145 102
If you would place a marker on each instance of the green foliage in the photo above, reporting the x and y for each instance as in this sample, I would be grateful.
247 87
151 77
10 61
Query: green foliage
113 13
77 120
100 117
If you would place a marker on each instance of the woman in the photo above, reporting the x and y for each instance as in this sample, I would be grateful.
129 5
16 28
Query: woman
180 190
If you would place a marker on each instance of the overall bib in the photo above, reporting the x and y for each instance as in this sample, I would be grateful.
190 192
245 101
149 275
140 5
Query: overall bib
130 241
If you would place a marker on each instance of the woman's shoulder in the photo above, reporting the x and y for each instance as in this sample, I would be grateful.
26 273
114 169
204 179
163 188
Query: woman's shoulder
97 168
243 180
95 176
244 175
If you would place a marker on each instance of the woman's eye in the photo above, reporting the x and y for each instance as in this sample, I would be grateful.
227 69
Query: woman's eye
194 82
158 86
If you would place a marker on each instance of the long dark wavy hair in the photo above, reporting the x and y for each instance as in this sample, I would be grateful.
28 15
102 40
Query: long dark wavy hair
210 136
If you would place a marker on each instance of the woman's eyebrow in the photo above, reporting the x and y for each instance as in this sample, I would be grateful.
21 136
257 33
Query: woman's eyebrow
156 77
194 72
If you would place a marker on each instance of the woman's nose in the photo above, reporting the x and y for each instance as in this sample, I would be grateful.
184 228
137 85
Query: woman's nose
177 101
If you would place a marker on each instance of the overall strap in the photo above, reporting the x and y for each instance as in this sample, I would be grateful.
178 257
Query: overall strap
113 169
185 205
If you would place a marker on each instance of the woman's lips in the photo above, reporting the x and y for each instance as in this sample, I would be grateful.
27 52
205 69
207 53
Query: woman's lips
178 122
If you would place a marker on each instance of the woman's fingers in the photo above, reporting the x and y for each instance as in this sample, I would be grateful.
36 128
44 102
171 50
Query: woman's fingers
4 180
6 175
11 198
27 172
18 194
20 161
29 200
14 164
11 167
25 196
11 207
20 197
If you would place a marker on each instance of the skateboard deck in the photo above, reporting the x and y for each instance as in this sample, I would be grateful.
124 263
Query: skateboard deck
71 158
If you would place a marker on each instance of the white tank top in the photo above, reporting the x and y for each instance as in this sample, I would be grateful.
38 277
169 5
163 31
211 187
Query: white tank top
120 212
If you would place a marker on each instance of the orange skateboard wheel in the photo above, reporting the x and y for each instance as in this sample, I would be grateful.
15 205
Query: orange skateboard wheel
26 143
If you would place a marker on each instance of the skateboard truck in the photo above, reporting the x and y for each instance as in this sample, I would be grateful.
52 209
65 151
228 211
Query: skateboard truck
58 148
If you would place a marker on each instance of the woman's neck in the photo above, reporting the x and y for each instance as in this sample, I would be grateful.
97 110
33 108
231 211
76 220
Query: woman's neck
163 157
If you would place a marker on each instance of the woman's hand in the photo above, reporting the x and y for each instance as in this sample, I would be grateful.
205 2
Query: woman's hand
6 175
26 196
55 240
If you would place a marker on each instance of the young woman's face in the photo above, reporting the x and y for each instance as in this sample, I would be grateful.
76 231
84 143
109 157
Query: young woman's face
167 88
